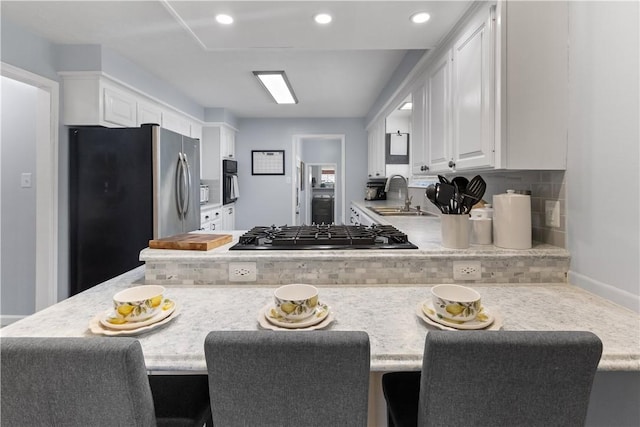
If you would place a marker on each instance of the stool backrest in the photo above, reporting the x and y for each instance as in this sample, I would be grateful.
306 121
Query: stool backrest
307 378
74 382
500 378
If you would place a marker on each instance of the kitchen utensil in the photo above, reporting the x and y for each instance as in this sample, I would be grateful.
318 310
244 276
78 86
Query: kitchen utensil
445 196
461 182
431 195
443 179
473 193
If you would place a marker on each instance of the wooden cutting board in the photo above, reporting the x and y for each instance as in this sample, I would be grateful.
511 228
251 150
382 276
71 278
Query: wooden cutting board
189 241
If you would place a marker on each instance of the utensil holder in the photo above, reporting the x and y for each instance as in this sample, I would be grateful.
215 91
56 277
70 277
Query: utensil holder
455 231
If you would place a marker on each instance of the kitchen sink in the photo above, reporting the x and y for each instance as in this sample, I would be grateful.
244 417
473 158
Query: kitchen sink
397 211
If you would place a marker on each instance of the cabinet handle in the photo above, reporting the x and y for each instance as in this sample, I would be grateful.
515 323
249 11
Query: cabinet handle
206 217
452 164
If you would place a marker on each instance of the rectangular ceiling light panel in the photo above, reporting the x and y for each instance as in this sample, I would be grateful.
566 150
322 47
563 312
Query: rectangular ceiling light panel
277 85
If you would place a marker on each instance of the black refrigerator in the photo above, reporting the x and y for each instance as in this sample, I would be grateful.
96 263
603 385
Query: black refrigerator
126 187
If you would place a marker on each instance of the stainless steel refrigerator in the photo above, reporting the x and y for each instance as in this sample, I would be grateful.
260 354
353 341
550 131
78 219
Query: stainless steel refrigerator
126 187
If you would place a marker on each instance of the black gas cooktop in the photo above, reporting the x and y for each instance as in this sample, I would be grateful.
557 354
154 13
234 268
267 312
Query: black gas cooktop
323 236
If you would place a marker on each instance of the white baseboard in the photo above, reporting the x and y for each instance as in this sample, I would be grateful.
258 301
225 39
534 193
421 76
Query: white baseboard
617 295
7 319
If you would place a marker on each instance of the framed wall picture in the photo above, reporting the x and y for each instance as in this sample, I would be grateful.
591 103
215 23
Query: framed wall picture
267 162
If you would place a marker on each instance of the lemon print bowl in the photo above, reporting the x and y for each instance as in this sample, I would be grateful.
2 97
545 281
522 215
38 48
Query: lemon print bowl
455 302
138 303
296 301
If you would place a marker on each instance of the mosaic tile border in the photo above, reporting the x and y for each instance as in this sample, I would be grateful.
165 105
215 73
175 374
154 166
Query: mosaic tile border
362 271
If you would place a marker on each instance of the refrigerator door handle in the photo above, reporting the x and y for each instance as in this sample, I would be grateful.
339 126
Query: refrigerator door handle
187 185
179 196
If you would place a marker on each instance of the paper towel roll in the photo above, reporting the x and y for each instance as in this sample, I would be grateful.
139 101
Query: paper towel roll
512 220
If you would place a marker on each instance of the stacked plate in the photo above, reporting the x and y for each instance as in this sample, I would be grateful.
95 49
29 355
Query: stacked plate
295 307
135 310
454 307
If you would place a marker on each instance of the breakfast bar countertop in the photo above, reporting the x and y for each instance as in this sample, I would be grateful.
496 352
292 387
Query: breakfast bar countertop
386 312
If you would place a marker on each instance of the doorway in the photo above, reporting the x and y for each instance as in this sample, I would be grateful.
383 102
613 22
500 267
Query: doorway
37 179
320 205
317 150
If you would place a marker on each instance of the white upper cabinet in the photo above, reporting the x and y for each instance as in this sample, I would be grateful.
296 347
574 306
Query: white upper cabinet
532 102
438 113
94 99
473 95
119 106
149 113
376 141
227 143
419 154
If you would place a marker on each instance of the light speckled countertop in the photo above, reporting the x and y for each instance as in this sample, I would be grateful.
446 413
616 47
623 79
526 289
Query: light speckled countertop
386 313
422 231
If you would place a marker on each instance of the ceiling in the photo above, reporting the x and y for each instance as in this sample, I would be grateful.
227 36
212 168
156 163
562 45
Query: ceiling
337 70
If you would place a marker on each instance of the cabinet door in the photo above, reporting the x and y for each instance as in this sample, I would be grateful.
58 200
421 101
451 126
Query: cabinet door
438 113
473 96
228 142
419 154
176 123
228 217
148 113
119 107
376 137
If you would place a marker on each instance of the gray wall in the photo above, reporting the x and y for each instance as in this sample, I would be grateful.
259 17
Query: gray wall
18 154
603 184
266 200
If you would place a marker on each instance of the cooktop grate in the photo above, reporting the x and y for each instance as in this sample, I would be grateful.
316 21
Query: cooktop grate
323 236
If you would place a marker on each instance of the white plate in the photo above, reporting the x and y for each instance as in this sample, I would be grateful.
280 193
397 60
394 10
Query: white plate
267 324
96 327
426 312
164 312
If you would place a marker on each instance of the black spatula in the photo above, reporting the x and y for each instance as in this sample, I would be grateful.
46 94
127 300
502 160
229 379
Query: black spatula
473 193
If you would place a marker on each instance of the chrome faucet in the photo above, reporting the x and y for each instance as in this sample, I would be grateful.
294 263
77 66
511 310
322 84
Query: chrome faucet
407 199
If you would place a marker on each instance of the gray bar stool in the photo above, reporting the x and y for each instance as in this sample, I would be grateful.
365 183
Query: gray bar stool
91 382
279 378
496 378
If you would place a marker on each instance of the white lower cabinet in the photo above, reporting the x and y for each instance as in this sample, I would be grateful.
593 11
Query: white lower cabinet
358 217
210 218
229 217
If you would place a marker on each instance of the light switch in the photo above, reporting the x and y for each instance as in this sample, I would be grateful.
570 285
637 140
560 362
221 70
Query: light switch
552 213
25 180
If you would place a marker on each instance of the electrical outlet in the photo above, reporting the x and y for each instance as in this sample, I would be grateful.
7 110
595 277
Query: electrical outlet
552 213
242 272
467 270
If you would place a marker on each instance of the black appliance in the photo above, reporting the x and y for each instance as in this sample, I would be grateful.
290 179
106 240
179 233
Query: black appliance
375 189
323 236
229 181
126 187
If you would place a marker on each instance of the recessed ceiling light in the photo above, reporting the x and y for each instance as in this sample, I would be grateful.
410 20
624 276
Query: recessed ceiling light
420 17
323 18
224 19
406 106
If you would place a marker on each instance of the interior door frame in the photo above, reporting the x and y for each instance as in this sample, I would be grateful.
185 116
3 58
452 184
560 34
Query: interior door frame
308 194
340 179
46 182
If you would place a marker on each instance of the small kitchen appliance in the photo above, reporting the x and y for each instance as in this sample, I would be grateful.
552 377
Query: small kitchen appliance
331 236
375 189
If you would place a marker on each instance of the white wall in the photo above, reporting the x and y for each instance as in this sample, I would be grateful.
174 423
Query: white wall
603 184
266 200
18 155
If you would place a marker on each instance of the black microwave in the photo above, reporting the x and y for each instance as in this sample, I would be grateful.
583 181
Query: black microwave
229 181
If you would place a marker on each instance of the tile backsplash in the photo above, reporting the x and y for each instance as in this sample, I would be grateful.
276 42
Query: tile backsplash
544 186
